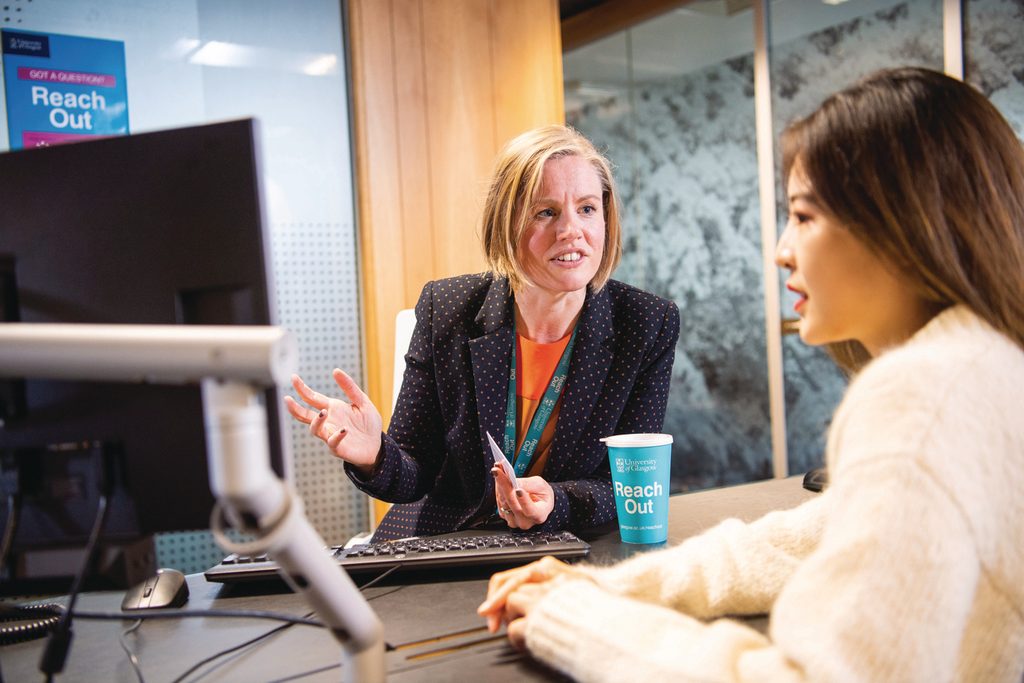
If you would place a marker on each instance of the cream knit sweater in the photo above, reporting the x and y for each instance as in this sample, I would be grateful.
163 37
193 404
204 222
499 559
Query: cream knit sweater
910 567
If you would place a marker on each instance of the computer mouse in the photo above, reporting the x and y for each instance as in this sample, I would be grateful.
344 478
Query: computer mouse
816 479
166 588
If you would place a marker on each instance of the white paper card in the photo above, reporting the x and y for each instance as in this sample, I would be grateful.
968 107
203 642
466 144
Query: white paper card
500 459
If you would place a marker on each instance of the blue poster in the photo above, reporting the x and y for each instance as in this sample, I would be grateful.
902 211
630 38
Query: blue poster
63 88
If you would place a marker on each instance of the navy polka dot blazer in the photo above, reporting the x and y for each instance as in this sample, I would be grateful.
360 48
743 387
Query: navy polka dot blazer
436 462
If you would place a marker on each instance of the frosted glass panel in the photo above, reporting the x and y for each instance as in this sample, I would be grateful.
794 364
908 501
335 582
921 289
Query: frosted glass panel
994 54
817 49
672 102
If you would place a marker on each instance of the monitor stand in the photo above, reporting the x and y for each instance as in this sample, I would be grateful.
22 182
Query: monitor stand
233 365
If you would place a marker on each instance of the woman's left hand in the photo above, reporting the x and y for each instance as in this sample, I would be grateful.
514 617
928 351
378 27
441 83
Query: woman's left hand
528 583
518 606
526 507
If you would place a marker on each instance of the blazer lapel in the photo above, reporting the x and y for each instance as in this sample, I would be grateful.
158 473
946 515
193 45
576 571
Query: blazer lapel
591 360
490 355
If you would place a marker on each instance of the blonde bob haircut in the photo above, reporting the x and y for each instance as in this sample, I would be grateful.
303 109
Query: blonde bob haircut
514 186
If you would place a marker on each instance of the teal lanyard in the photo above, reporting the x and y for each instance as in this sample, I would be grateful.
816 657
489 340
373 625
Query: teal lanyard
544 410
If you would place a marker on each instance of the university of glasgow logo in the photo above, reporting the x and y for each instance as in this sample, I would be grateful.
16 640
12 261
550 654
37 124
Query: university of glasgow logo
31 44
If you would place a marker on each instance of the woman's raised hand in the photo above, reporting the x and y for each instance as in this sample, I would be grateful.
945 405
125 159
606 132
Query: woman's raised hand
351 430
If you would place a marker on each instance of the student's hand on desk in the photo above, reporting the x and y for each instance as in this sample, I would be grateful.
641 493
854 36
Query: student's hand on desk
527 507
512 594
351 430
518 607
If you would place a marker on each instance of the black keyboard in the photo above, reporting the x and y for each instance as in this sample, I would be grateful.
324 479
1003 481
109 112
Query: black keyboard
459 549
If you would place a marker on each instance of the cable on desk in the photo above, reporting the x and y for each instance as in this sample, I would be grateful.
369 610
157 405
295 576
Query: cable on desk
132 659
59 642
234 648
40 619
381 577
252 641
19 623
9 529
171 614
200 613
53 612
378 596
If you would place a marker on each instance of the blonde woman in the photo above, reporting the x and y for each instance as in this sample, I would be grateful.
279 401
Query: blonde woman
488 350
905 246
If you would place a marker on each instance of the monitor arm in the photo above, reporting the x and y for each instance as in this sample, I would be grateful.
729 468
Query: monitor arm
233 364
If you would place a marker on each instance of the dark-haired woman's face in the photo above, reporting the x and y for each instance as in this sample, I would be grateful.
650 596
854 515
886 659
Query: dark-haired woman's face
846 291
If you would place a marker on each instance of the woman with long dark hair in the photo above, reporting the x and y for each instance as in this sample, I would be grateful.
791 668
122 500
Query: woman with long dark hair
905 245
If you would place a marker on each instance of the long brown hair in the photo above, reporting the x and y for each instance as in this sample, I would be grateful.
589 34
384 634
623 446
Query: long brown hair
926 172
514 184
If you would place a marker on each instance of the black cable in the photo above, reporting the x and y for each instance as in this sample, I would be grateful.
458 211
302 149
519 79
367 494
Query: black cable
381 577
398 588
28 622
55 612
217 655
201 613
59 643
52 613
9 530
14 633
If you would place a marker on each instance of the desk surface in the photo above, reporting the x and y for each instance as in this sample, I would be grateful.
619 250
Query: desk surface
432 643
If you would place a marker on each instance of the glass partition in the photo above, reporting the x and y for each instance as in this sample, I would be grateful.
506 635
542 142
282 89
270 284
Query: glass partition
818 48
994 54
671 100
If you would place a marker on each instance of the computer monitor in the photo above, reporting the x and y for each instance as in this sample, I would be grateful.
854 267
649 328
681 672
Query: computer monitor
158 228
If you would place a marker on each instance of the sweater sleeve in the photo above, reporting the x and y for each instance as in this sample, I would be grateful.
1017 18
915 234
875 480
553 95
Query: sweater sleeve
894 589
851 611
591 635
733 568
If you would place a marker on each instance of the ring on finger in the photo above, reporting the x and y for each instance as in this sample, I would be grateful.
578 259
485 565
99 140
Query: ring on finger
505 511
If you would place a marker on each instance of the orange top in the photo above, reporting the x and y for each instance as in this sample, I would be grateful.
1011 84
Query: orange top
535 365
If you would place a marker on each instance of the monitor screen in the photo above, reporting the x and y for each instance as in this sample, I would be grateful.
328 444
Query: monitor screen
160 228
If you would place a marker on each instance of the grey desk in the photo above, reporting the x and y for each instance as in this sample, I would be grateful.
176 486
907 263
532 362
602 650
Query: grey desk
431 619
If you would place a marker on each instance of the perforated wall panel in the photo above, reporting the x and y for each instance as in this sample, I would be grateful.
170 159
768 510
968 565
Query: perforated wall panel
317 294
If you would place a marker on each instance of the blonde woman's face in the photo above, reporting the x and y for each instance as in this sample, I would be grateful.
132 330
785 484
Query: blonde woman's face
562 246
846 291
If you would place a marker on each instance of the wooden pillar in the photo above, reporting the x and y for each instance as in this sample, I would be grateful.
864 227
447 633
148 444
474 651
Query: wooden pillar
438 86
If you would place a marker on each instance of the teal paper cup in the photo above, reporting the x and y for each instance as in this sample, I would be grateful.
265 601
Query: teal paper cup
641 467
